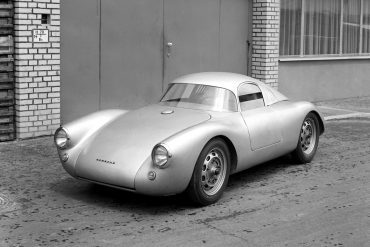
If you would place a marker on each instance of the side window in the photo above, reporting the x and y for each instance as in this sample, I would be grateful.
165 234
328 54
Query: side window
250 97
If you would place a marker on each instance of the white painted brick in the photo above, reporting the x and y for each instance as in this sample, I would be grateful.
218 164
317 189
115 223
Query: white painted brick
46 101
55 122
46 123
42 45
55 115
25 113
32 107
54 95
265 28
43 95
41 107
24 124
41 11
22 10
20 4
24 91
42 90
37 67
43 133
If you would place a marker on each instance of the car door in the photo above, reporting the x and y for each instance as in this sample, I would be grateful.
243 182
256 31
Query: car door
261 120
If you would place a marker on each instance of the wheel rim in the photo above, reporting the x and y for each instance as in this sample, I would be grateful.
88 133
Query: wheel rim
213 171
308 136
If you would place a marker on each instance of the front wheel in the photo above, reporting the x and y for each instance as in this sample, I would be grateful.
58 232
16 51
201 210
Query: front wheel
211 173
308 139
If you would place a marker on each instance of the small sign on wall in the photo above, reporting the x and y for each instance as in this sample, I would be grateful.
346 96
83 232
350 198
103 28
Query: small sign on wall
40 35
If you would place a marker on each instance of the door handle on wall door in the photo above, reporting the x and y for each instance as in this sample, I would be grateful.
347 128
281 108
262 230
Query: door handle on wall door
169 45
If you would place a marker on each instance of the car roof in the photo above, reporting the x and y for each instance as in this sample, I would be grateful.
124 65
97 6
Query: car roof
226 80
231 81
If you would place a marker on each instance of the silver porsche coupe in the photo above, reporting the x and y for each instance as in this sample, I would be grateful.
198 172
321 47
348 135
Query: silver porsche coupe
206 127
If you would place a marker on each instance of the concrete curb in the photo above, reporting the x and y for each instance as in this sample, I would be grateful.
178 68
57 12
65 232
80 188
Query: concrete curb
347 116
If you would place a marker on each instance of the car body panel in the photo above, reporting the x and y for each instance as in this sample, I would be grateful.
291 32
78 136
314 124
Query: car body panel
267 130
114 147
115 155
176 177
231 81
83 130
186 147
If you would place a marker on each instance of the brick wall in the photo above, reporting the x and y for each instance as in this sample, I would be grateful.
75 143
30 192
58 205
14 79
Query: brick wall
266 16
37 68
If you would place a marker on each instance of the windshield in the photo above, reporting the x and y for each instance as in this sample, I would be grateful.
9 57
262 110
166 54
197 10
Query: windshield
201 97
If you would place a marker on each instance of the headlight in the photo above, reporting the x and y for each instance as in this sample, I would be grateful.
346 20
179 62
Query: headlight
61 138
160 156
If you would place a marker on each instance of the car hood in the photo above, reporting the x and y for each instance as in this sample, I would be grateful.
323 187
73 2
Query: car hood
115 154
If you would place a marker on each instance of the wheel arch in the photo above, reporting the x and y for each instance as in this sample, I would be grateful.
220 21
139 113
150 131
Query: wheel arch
231 147
321 121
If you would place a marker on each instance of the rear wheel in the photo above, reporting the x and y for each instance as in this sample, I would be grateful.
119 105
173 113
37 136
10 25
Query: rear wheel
308 139
211 173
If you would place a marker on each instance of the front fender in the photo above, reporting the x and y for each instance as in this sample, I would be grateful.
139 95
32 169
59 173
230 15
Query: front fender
185 148
83 129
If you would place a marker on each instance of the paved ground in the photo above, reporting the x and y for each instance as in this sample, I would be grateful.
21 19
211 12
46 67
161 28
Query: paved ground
324 203
345 108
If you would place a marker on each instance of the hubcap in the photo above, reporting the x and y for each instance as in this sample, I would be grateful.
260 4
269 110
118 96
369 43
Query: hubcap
213 171
308 136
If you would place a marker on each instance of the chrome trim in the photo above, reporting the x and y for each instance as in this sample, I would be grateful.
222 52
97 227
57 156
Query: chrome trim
166 147
168 153
68 144
166 112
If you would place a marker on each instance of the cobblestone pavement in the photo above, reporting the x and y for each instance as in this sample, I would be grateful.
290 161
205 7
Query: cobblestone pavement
324 203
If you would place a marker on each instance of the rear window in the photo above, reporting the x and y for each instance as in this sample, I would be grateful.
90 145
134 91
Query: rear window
250 97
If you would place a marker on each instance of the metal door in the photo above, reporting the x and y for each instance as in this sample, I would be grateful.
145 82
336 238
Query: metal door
131 53
235 35
191 37
264 129
262 121
123 53
79 58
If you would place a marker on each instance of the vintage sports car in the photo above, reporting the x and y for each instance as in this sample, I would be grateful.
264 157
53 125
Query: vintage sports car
206 127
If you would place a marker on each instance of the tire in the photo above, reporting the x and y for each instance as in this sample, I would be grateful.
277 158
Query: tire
211 173
308 139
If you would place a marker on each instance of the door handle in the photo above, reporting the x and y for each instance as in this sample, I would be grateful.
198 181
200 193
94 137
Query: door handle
169 45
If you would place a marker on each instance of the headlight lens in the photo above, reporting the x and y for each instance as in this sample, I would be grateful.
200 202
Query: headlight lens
61 138
160 156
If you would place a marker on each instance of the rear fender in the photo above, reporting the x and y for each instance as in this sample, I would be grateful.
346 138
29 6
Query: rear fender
307 107
321 120
296 117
